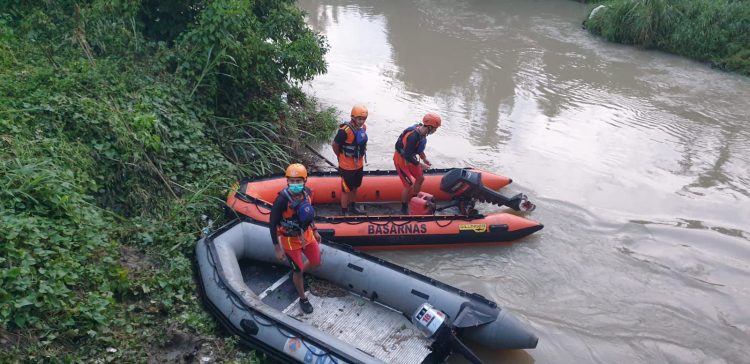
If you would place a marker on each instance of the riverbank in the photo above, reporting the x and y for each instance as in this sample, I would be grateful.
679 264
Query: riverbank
712 31
120 126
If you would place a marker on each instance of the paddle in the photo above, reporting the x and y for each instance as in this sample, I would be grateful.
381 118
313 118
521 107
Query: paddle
320 155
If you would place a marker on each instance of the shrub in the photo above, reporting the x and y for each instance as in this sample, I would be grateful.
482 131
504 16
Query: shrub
118 130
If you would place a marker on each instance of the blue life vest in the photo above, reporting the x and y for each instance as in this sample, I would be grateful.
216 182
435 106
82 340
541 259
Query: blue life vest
302 216
358 147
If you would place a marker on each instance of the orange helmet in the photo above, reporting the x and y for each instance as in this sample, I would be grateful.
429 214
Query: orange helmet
432 119
359 111
296 170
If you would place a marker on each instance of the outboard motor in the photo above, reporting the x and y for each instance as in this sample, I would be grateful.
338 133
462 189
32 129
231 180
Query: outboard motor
429 320
434 324
466 188
460 182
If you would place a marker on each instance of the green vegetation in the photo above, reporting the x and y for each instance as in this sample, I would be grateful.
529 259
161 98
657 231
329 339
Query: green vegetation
121 123
714 31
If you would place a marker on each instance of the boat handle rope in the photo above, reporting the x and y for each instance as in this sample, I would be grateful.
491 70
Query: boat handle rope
386 222
374 222
437 222
254 201
261 211
233 299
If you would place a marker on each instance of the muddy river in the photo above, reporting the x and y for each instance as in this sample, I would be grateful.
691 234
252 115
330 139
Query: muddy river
639 162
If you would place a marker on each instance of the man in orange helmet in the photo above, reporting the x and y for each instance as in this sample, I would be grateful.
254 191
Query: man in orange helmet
409 158
293 230
350 146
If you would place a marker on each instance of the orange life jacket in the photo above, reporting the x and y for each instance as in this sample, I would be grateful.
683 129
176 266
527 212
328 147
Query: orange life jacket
403 139
290 224
354 148
290 228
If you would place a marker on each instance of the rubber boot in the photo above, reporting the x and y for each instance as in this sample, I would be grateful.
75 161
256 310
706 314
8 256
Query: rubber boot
354 210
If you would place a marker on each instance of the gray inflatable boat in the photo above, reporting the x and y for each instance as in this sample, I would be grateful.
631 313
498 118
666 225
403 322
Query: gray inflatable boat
367 310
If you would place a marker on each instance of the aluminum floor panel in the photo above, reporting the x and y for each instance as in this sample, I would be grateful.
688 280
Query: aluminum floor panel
372 328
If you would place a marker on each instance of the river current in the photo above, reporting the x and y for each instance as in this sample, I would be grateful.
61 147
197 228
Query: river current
639 162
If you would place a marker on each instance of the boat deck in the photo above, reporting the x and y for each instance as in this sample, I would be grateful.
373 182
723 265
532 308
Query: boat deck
369 326
377 209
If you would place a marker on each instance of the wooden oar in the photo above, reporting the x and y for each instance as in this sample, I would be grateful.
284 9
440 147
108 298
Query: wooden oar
320 155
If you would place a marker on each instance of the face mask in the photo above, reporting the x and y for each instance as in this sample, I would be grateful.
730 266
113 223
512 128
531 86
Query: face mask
296 188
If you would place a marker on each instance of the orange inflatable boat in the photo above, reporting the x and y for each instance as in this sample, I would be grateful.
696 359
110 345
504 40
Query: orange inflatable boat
424 227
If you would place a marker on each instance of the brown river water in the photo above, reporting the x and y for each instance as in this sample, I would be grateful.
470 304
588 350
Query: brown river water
639 162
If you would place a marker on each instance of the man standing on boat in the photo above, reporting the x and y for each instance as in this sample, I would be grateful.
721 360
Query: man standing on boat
293 230
409 158
350 146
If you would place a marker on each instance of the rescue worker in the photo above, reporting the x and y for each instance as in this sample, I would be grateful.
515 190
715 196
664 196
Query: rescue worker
293 230
409 158
350 146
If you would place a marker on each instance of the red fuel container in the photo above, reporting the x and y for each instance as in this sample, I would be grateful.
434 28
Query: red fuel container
422 204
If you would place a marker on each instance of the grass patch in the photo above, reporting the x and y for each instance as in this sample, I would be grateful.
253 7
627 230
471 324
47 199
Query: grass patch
117 134
712 31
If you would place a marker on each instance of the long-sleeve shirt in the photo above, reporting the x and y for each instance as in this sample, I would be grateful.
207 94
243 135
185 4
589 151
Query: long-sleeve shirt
279 206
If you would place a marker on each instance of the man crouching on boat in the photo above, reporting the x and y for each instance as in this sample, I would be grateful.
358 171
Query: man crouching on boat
293 231
409 158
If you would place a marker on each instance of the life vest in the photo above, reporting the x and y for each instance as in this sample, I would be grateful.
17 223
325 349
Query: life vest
355 145
298 214
402 140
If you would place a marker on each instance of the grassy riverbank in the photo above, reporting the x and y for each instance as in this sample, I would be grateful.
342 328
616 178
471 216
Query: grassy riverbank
712 31
121 123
